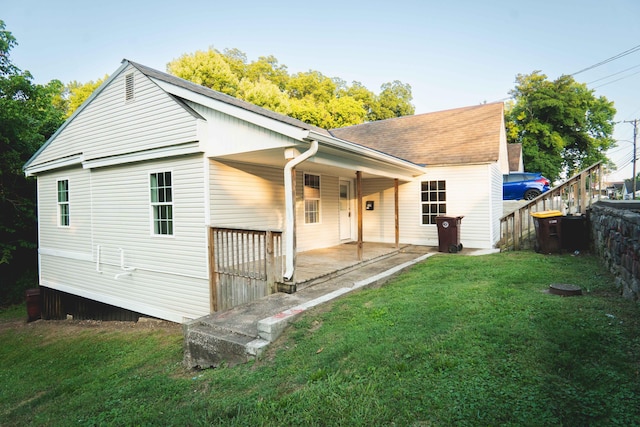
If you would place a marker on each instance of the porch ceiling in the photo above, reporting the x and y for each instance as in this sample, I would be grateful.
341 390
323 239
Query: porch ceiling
328 160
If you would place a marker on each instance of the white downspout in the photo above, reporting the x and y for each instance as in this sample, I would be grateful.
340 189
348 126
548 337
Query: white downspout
290 207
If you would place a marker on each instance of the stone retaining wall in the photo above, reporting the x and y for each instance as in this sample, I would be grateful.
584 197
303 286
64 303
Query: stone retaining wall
615 232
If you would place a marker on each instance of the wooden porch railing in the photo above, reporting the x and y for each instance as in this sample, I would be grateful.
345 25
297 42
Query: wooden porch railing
572 197
245 265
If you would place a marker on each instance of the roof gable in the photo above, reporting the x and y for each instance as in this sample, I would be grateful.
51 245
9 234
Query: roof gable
109 124
459 136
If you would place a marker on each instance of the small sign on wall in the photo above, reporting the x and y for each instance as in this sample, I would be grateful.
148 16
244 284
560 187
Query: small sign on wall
368 205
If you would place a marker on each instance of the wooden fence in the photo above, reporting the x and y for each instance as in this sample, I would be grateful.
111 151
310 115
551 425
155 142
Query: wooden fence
572 197
246 265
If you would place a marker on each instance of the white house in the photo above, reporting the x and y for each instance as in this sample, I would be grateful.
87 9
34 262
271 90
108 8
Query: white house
157 193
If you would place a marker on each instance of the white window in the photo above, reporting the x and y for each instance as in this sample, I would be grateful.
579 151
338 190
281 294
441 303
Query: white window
433 200
311 199
161 203
63 203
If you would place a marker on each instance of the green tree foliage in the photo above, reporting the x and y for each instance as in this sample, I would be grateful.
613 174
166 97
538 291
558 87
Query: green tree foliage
308 96
210 69
77 93
562 125
29 114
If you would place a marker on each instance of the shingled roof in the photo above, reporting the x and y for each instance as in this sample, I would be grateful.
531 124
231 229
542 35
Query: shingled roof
460 136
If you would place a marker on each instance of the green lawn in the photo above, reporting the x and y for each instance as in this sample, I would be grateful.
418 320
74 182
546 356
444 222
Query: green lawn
456 341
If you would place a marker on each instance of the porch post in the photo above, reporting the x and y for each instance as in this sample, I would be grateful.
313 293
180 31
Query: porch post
213 283
270 262
397 214
359 202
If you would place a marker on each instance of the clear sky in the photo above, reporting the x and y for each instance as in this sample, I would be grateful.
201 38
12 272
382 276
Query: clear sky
453 53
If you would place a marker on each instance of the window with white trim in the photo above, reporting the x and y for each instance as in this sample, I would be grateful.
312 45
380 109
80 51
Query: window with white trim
311 196
433 200
161 203
63 203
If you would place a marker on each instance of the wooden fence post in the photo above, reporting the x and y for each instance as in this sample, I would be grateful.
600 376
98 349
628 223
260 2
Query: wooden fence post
270 260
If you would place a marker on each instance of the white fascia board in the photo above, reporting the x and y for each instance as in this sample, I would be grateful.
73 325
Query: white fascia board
54 164
362 167
174 150
231 110
412 168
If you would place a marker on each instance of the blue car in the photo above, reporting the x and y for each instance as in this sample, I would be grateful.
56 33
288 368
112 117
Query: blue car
524 185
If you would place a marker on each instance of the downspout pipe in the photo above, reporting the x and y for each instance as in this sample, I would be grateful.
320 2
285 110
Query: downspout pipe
290 207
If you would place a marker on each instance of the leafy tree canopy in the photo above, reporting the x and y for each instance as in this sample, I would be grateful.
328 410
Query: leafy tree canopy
308 96
76 93
29 115
562 125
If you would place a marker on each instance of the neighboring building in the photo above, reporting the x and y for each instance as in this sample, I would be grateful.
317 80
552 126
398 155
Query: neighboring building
627 190
152 173
515 157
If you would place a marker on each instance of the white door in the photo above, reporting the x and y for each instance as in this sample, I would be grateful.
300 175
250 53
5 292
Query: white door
345 210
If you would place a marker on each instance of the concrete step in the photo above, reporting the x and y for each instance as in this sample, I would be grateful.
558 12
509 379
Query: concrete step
207 346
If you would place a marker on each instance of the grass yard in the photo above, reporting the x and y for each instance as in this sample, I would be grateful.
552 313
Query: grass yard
455 341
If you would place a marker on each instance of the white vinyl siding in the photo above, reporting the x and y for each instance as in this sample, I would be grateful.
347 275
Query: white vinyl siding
469 194
265 208
246 196
379 224
170 276
115 126
75 238
327 232
496 202
229 135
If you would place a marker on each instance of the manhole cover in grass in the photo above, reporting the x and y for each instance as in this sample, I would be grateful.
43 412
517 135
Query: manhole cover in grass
565 289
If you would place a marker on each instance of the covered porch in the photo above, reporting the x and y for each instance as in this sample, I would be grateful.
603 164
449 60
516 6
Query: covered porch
309 227
318 265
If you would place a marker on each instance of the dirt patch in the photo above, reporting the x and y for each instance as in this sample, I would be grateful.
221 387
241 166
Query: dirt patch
71 327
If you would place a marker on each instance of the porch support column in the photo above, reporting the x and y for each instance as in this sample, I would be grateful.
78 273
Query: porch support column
359 209
397 214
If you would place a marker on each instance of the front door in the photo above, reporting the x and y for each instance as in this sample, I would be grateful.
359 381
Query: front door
345 210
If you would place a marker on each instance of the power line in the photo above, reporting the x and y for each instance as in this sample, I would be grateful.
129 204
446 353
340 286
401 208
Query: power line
614 74
617 80
613 58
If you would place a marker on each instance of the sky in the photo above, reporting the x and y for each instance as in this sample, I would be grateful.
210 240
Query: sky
453 53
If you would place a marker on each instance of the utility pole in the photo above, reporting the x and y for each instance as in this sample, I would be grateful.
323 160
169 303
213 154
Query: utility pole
635 133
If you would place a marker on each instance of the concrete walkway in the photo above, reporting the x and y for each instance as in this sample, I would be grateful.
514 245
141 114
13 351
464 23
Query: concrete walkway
241 333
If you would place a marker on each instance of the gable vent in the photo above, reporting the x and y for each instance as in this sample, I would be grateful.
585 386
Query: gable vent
128 87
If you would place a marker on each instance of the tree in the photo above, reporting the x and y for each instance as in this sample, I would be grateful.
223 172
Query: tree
562 125
77 93
308 96
210 69
394 101
29 114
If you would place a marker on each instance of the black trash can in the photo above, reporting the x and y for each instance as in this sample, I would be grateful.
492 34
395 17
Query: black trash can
575 233
548 225
449 233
